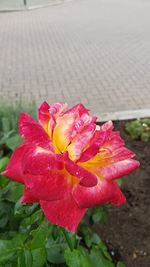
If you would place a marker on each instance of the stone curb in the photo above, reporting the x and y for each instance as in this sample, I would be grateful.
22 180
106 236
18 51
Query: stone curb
123 115
35 7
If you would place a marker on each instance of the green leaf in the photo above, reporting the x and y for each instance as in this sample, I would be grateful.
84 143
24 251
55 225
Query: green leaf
120 264
76 258
13 142
5 124
39 257
145 137
88 236
27 222
21 260
8 248
22 210
98 260
55 250
95 238
3 163
4 181
119 182
5 210
40 235
13 191
25 259
99 215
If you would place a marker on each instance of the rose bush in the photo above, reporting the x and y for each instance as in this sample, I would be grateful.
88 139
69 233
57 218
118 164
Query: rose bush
68 163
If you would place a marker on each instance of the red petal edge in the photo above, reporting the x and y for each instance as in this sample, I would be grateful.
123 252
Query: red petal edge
104 192
14 167
28 197
64 213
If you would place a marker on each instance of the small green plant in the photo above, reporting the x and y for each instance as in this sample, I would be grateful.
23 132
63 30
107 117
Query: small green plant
9 123
139 129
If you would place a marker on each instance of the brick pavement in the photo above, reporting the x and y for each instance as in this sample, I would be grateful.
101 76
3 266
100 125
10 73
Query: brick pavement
93 51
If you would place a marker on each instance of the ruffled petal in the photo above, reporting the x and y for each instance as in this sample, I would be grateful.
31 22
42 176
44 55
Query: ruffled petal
14 167
37 160
103 192
57 109
107 126
118 169
43 113
83 118
53 185
48 115
96 142
33 132
86 178
113 141
28 197
80 142
78 109
62 132
119 154
64 213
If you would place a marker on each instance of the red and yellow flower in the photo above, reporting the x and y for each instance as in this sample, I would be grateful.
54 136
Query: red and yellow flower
68 163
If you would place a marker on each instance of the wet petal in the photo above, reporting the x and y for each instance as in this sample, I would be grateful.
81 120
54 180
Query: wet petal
103 192
86 178
57 109
33 131
118 169
80 142
44 114
62 132
64 213
14 167
96 142
38 160
53 185
107 126
83 118
28 197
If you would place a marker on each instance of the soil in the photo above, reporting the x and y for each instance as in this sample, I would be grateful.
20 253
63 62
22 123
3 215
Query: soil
127 231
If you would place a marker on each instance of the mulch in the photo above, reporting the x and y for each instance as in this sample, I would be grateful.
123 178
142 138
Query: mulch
127 231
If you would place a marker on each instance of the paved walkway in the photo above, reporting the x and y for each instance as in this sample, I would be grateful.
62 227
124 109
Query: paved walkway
93 51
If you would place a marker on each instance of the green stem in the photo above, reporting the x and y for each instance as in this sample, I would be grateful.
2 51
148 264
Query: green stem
68 239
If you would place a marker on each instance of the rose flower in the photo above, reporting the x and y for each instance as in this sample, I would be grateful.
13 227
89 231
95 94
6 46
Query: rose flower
67 163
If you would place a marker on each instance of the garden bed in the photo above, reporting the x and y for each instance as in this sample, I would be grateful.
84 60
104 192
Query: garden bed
126 232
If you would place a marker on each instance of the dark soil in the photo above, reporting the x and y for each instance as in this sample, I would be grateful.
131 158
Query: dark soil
127 232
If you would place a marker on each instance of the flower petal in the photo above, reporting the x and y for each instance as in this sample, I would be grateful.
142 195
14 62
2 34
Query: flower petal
83 118
62 132
77 109
86 178
48 115
64 213
14 167
80 142
107 126
57 109
102 193
94 146
28 197
33 131
37 160
53 185
118 169
43 113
